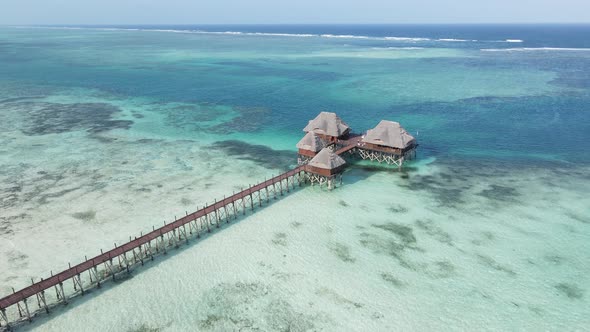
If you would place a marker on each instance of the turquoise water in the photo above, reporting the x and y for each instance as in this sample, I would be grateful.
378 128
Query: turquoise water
105 132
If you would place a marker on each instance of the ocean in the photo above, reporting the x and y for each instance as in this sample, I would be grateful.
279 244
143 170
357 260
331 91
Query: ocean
106 131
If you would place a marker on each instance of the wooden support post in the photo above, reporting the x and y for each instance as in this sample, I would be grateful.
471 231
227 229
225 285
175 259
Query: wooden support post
170 240
79 281
37 294
151 250
74 282
109 266
281 186
134 256
287 183
251 199
141 254
267 197
4 317
207 222
175 238
259 198
274 189
20 313
63 294
41 297
216 214
28 313
185 236
233 204
126 261
199 226
225 209
243 206
96 276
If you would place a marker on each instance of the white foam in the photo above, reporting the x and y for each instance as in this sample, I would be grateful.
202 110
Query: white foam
534 49
345 36
278 34
456 40
406 39
398 48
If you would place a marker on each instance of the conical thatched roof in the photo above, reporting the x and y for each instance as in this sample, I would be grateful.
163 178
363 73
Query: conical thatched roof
327 159
389 133
310 142
327 123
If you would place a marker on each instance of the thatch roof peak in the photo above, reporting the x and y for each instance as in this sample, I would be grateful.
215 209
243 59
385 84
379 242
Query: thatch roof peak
391 134
327 159
310 142
327 123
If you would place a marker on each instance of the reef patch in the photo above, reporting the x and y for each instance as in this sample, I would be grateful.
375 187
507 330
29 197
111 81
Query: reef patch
259 154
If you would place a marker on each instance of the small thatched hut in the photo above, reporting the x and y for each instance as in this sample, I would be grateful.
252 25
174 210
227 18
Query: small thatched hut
389 137
310 145
326 163
328 126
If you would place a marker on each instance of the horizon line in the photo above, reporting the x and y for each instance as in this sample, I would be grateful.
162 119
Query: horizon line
301 24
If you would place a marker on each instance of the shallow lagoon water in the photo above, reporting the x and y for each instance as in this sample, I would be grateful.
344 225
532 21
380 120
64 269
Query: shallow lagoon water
107 133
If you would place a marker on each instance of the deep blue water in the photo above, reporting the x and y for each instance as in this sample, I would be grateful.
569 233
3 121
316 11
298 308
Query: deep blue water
516 92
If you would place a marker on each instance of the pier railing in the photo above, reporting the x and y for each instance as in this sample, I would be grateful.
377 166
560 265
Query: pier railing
78 279
123 257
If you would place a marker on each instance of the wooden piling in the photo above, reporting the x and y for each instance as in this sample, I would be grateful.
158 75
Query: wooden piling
140 247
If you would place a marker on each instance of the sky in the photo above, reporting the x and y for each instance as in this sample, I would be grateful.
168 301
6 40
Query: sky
291 11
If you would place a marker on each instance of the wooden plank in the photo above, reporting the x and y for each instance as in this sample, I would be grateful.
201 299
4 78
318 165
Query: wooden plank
54 280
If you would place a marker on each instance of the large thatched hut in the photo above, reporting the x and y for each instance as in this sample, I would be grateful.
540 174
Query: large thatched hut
388 142
328 126
390 137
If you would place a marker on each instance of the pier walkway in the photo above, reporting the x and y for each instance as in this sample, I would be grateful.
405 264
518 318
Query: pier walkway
139 249
122 258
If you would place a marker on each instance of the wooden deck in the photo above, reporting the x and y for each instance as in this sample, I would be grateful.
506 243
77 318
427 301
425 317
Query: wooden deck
152 243
348 144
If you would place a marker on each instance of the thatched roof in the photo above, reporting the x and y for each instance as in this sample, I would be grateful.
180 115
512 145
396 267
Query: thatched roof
327 159
327 123
389 133
310 142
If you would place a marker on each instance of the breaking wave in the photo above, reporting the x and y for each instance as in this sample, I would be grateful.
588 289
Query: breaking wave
398 48
278 34
457 40
533 49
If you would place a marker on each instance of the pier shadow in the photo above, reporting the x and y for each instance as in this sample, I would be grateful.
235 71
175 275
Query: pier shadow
358 172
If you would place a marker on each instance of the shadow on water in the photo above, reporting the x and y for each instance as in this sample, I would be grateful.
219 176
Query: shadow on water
260 154
358 171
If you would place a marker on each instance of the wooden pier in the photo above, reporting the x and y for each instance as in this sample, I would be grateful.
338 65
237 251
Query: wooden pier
317 165
122 258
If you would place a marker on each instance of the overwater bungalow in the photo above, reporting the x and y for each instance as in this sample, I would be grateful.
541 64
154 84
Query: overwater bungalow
388 142
308 147
325 167
328 126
